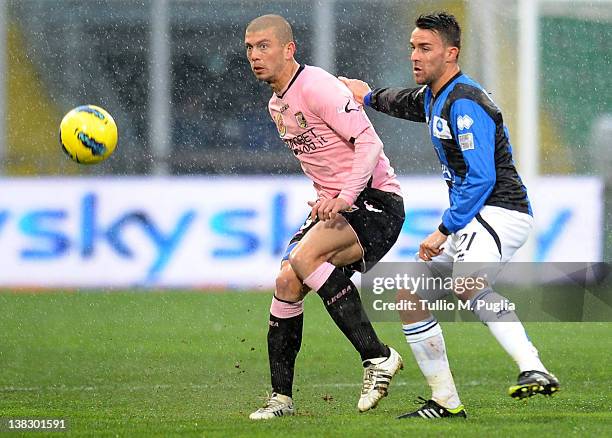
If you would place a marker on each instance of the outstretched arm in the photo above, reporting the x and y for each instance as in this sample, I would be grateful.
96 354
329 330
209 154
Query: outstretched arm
404 103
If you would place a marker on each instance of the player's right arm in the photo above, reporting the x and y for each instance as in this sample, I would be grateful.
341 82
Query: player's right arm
404 103
334 105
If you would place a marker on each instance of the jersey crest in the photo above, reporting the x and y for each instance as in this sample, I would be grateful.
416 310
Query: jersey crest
441 128
280 124
301 120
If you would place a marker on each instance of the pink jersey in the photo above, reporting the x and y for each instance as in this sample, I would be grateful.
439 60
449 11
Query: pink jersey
320 122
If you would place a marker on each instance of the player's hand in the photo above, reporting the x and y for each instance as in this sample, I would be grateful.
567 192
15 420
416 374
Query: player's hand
430 247
326 209
357 87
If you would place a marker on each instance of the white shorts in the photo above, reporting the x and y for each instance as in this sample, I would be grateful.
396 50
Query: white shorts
494 235
481 247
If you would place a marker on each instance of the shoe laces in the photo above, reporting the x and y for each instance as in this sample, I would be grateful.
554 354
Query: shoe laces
272 401
368 378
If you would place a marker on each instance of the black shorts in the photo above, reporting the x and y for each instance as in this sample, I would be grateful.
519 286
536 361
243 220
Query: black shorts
376 217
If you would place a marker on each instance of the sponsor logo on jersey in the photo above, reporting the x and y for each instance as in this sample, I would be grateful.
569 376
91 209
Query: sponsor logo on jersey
307 141
280 125
441 129
464 122
301 120
466 141
284 108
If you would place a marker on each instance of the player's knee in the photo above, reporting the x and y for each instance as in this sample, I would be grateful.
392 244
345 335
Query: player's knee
284 282
300 259
288 286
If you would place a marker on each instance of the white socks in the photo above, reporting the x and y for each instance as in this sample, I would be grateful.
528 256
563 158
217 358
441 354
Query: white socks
513 338
508 330
427 344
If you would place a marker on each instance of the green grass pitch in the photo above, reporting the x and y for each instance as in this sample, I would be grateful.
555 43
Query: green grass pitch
195 364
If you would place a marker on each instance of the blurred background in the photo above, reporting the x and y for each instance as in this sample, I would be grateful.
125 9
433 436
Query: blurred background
202 195
173 73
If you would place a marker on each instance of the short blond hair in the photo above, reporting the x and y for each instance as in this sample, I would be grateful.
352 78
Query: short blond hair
282 28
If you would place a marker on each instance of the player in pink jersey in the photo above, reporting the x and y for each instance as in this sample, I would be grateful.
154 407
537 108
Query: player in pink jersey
319 122
356 218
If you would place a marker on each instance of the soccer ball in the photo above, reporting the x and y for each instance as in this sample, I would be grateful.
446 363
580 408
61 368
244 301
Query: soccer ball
88 134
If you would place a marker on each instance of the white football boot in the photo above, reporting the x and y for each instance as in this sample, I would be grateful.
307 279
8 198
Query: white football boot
277 405
377 375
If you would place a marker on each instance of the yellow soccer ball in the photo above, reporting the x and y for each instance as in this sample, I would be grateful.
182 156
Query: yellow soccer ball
88 134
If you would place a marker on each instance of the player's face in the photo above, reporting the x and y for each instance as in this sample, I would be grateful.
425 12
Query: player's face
429 56
266 55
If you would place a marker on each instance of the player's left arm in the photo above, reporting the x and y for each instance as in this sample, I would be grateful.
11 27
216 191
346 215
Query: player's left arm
336 106
474 132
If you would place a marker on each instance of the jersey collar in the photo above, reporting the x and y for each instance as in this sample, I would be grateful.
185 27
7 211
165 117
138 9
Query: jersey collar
450 81
297 73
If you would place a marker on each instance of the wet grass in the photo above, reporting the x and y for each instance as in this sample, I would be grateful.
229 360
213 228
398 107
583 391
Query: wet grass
195 364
